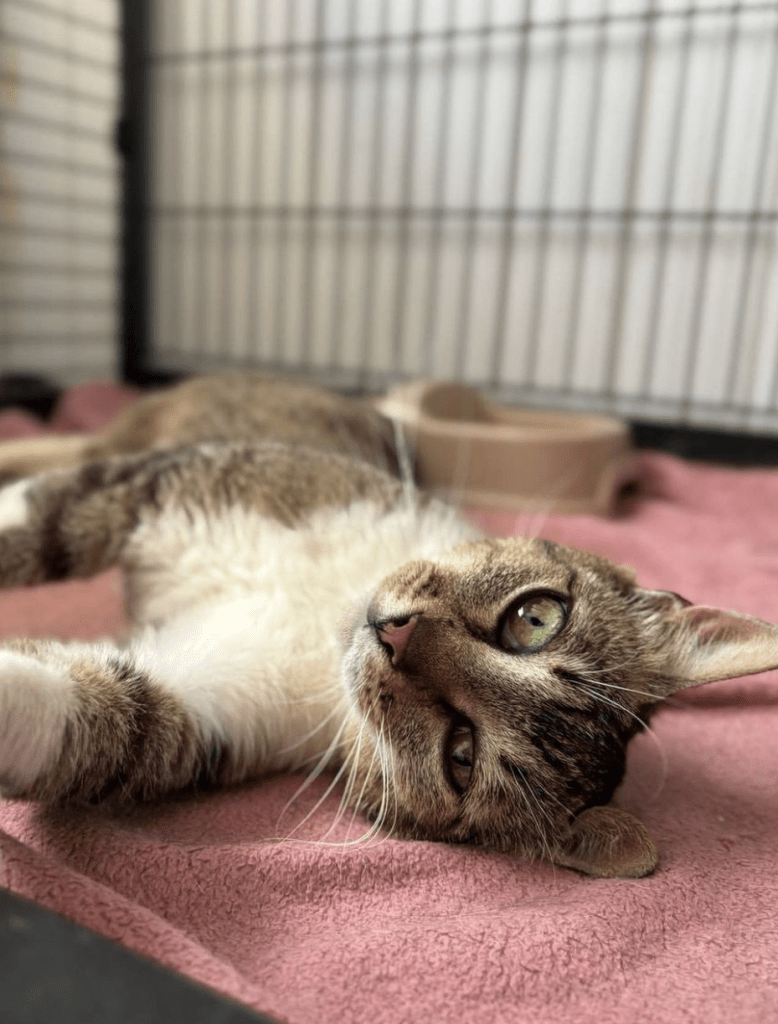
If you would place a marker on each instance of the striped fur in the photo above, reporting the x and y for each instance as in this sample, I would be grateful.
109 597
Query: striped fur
294 602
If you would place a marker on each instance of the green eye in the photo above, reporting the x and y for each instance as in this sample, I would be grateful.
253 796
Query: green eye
460 753
532 622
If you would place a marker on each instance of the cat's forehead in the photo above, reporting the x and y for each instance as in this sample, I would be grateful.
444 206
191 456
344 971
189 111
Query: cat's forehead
491 570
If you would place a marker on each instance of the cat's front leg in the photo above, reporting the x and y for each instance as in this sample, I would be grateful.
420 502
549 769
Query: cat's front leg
74 523
608 842
84 722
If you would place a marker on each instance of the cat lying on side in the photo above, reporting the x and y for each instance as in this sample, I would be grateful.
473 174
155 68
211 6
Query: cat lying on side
295 603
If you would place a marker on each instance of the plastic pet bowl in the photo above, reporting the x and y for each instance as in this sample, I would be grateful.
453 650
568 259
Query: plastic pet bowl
479 452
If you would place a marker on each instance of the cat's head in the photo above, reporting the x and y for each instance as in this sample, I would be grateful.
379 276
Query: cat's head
496 690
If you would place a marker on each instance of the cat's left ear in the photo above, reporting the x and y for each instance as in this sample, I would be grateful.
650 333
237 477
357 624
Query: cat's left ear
702 644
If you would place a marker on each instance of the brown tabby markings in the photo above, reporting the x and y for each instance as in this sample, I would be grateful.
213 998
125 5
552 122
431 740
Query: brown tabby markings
549 728
140 740
556 757
78 523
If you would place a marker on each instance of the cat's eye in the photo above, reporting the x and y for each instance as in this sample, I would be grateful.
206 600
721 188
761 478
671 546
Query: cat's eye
460 754
532 622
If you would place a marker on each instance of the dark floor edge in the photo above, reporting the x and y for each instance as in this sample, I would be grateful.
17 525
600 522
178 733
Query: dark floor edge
53 970
705 444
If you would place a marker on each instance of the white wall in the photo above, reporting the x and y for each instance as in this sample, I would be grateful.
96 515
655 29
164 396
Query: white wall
657 111
58 187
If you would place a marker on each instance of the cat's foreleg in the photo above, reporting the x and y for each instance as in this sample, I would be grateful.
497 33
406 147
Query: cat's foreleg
92 722
75 523
87 722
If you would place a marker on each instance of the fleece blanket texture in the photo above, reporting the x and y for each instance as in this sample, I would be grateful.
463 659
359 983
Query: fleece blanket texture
238 891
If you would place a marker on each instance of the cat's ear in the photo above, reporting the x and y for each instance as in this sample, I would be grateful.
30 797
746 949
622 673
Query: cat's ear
608 843
700 644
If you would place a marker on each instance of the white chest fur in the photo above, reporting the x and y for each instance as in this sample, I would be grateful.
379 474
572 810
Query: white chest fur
242 616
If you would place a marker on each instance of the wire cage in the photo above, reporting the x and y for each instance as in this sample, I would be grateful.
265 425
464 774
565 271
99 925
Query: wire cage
570 203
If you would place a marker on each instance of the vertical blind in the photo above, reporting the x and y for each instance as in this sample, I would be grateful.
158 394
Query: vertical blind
59 187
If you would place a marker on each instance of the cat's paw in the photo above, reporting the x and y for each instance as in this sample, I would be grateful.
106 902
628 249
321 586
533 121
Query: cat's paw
35 702
608 843
13 504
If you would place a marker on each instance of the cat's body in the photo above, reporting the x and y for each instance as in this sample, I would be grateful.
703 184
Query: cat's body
296 604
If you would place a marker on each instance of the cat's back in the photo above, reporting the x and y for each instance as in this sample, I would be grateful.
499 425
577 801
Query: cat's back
251 407
224 407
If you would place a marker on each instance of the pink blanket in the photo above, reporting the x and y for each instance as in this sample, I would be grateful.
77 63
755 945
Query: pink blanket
415 932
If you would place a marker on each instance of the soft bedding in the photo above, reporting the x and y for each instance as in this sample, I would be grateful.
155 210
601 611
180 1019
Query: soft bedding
278 906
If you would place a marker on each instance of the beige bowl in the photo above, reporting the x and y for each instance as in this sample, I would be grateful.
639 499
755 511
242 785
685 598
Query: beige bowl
480 452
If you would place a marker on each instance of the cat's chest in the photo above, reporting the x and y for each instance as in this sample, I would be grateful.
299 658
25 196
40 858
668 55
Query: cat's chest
300 583
239 611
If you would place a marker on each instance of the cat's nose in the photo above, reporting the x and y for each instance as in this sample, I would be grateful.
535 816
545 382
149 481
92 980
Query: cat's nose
395 634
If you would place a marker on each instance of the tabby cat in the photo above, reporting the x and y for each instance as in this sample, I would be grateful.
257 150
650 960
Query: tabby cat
297 602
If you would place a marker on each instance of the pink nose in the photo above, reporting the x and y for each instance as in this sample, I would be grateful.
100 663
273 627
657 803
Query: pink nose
396 635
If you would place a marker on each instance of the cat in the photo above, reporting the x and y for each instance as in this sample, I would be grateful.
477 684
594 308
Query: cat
296 600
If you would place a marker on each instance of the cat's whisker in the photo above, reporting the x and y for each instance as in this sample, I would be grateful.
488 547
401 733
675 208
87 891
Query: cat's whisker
386 774
380 818
336 779
596 695
348 768
351 762
314 698
378 824
348 800
456 489
624 664
387 769
405 459
373 827
562 807
531 525
314 774
536 524
389 773
302 740
623 689
529 798
593 691
362 840
551 502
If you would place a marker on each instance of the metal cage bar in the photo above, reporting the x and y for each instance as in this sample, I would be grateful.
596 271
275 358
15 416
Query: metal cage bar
537 198
133 140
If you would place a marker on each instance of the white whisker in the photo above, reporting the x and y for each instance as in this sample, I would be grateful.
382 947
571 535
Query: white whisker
302 740
388 776
596 695
314 774
352 764
623 689
316 806
529 797
357 804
